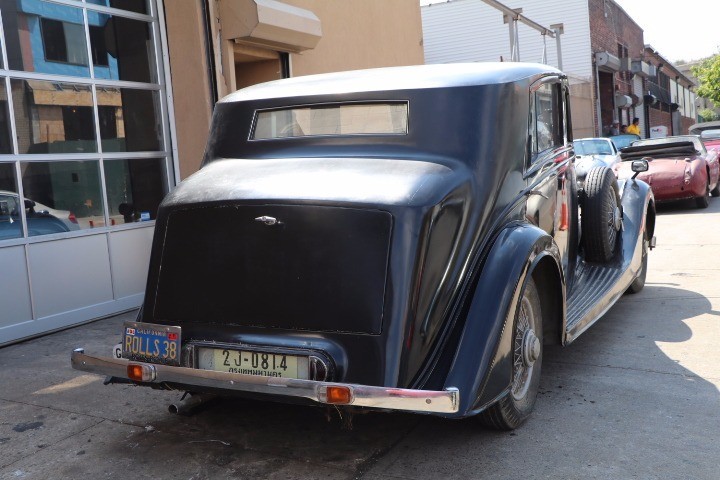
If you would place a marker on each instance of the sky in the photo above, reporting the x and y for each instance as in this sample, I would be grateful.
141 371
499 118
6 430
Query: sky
678 29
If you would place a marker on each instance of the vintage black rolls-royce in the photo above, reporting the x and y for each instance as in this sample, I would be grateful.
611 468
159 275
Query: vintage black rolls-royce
403 239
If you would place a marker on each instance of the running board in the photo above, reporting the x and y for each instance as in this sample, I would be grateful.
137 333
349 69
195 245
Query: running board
596 288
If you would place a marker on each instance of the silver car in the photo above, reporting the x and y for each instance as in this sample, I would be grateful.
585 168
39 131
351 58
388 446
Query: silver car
593 152
41 219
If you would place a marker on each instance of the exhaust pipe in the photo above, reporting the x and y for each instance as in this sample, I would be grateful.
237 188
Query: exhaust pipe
189 402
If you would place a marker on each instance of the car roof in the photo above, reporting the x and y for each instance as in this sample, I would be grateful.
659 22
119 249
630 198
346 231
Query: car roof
604 139
699 127
395 78
694 139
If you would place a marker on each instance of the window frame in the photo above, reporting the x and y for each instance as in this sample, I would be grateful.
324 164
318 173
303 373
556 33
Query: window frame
560 116
64 44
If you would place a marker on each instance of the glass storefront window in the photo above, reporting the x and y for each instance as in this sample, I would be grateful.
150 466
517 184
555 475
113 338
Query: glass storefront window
129 119
10 221
70 110
119 48
66 196
53 117
45 37
5 142
134 188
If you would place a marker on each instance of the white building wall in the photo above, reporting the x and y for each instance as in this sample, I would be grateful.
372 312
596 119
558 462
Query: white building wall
691 103
472 31
674 92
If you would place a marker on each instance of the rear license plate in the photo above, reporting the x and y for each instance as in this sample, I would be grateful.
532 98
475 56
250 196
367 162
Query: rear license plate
253 363
149 342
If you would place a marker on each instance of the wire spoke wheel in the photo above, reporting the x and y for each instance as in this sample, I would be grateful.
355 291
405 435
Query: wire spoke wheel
513 409
525 349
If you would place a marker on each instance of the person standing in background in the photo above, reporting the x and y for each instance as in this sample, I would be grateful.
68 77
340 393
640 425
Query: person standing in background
635 127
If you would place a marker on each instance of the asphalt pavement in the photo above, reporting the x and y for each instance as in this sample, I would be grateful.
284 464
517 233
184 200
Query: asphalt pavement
635 397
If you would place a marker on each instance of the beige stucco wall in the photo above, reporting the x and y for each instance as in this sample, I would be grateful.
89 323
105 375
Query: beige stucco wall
356 34
362 34
581 110
190 82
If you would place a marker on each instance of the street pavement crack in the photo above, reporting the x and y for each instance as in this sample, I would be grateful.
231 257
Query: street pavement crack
30 404
634 369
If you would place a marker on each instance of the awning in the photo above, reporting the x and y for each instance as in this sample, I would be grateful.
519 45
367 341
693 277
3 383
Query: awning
270 24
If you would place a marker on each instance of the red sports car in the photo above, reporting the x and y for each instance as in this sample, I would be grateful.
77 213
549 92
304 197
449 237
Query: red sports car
680 168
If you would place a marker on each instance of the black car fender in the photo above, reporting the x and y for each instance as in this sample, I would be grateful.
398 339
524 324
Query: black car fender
482 366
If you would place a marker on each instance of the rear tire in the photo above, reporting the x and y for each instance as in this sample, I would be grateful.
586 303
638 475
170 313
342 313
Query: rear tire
512 410
704 201
715 192
601 215
639 282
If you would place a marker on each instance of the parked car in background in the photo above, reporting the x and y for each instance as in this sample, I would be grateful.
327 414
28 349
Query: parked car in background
623 140
709 134
593 152
711 139
402 239
680 168
41 219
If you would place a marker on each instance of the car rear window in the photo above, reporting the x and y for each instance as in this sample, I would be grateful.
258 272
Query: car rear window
332 119
592 147
710 134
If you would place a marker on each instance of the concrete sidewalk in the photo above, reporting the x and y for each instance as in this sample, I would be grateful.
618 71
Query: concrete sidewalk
635 397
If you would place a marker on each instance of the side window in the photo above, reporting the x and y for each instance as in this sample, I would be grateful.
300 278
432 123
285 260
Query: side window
546 114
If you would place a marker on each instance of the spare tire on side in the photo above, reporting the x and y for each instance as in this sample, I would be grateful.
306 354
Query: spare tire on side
601 215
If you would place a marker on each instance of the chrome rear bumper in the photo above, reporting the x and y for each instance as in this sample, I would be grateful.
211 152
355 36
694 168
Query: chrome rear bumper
428 401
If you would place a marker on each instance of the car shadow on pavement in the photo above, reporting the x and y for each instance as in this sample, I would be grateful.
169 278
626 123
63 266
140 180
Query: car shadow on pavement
687 207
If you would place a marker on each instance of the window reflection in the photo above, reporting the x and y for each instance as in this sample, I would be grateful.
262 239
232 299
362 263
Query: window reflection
134 188
10 222
65 195
45 37
129 119
5 142
53 117
120 48
137 6
50 38
545 120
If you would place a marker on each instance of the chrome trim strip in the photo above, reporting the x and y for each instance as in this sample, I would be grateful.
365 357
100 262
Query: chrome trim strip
429 401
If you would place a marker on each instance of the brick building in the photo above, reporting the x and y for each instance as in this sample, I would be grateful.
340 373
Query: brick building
616 41
670 102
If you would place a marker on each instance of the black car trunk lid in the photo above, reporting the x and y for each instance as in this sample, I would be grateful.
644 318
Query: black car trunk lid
296 267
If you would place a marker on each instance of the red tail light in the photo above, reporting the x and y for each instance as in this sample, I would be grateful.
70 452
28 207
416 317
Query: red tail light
72 218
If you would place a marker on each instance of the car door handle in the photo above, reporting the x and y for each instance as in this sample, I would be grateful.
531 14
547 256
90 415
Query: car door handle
537 192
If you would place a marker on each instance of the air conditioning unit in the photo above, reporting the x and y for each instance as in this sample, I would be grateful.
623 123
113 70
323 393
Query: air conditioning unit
607 61
638 67
622 100
649 99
